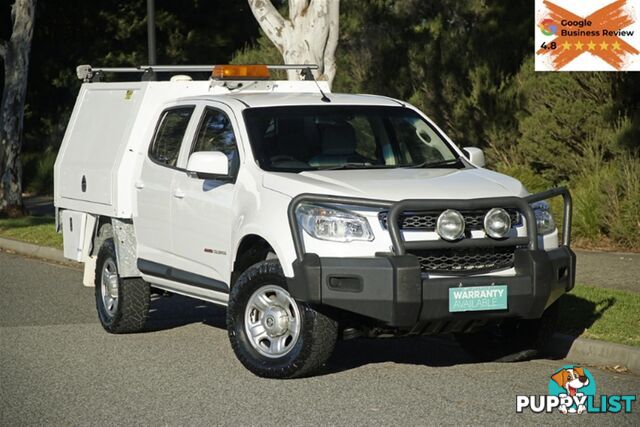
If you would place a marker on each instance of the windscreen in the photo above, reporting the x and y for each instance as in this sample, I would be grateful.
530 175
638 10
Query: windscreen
302 138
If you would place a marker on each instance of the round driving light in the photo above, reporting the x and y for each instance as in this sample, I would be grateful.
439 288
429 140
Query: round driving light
497 223
450 225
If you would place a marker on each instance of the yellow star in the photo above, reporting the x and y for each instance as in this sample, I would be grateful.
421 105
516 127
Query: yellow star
592 45
566 45
603 46
579 45
615 45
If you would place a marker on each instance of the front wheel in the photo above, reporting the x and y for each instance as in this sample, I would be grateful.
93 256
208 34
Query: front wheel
271 334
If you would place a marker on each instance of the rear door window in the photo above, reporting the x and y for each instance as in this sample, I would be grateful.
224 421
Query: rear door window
169 134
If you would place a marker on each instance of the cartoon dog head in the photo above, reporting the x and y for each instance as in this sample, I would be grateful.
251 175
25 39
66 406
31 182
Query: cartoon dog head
571 379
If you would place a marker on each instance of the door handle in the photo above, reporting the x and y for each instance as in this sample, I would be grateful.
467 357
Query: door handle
139 185
178 194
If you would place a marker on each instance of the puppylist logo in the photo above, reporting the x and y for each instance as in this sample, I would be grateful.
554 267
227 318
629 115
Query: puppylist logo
572 390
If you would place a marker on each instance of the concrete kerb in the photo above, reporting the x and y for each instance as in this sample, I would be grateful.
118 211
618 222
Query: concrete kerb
594 352
36 251
575 350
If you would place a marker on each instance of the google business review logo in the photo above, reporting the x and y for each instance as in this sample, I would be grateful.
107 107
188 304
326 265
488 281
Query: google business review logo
587 35
548 27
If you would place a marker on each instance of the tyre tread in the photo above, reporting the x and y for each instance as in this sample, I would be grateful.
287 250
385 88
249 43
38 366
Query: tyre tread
321 334
134 296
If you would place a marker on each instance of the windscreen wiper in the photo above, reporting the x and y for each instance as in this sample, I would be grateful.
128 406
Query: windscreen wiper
351 165
426 164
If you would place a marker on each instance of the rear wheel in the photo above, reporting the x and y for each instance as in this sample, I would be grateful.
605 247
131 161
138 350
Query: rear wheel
122 304
271 334
512 340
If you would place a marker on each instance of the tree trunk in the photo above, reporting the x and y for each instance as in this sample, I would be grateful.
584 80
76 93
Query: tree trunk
309 36
15 55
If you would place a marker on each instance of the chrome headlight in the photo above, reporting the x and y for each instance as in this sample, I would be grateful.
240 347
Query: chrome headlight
544 220
450 225
497 223
333 224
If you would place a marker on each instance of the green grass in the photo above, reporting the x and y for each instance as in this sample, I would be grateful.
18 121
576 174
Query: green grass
601 314
31 229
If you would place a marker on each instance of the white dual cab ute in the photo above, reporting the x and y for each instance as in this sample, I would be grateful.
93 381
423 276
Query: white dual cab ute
313 216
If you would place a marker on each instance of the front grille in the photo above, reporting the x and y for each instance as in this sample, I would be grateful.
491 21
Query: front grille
426 221
471 260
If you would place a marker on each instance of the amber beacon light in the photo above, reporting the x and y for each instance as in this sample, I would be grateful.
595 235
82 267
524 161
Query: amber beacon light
236 72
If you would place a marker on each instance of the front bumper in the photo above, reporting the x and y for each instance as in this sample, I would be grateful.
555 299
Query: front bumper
391 288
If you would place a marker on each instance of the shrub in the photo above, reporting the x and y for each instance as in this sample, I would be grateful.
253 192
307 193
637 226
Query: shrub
607 202
624 225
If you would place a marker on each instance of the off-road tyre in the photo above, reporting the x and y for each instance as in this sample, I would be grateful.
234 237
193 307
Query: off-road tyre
512 340
133 297
316 340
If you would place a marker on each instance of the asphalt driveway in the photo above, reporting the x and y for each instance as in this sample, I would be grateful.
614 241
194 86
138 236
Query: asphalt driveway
58 367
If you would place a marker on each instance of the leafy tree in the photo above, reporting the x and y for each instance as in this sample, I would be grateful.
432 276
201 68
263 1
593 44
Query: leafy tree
565 120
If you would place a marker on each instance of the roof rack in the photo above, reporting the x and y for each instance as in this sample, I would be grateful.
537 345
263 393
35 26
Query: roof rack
87 73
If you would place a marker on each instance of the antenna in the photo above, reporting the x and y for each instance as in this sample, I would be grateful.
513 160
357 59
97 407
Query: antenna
308 75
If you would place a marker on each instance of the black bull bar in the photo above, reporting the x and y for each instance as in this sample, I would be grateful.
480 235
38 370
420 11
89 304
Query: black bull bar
522 204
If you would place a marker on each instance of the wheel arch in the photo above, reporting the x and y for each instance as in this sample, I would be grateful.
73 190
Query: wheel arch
251 249
102 231
123 233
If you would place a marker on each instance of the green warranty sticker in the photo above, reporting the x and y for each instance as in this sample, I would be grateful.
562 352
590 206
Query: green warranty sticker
478 298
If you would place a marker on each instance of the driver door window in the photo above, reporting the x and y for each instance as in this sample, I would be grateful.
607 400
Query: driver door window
216 134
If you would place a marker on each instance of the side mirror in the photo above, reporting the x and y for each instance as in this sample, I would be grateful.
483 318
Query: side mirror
209 165
475 156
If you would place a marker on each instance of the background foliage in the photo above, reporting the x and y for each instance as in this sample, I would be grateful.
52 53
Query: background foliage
469 65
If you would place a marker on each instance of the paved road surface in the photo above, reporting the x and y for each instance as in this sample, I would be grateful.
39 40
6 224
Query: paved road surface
58 367
609 270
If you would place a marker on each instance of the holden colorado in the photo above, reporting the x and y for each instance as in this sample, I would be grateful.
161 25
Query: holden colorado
312 216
